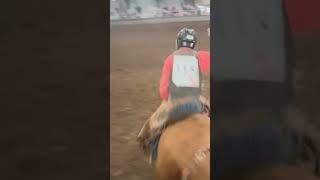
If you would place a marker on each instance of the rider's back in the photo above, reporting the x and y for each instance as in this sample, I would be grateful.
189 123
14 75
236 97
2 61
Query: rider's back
202 57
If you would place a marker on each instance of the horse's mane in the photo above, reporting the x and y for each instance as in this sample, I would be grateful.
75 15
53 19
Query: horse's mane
184 110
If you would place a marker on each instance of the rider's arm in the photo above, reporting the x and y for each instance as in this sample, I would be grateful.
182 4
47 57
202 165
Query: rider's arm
204 61
165 78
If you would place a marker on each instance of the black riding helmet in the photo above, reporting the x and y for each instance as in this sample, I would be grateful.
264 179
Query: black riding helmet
186 38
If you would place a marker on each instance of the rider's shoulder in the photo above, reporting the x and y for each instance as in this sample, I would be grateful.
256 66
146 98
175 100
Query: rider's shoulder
169 58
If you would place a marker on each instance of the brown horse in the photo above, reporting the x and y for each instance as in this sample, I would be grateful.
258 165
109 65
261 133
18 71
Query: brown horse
277 172
184 150
180 142
300 168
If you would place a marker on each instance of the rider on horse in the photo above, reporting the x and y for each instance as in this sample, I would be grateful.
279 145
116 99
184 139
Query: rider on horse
180 82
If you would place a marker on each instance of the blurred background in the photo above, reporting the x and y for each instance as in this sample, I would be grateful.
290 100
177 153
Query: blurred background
135 9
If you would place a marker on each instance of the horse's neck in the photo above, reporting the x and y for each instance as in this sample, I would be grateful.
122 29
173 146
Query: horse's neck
193 121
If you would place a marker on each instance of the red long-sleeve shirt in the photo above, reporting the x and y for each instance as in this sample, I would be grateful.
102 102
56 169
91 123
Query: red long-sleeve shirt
204 63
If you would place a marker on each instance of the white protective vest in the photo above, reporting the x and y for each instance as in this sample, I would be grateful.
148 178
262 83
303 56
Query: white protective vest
185 75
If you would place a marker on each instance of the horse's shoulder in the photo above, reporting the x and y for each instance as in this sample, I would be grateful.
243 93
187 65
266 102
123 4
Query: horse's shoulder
195 122
182 135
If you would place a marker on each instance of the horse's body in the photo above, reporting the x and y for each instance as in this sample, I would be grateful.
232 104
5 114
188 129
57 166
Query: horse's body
265 158
278 172
283 172
262 153
177 148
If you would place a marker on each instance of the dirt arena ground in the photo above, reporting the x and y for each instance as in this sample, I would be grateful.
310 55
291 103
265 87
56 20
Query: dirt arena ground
136 60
